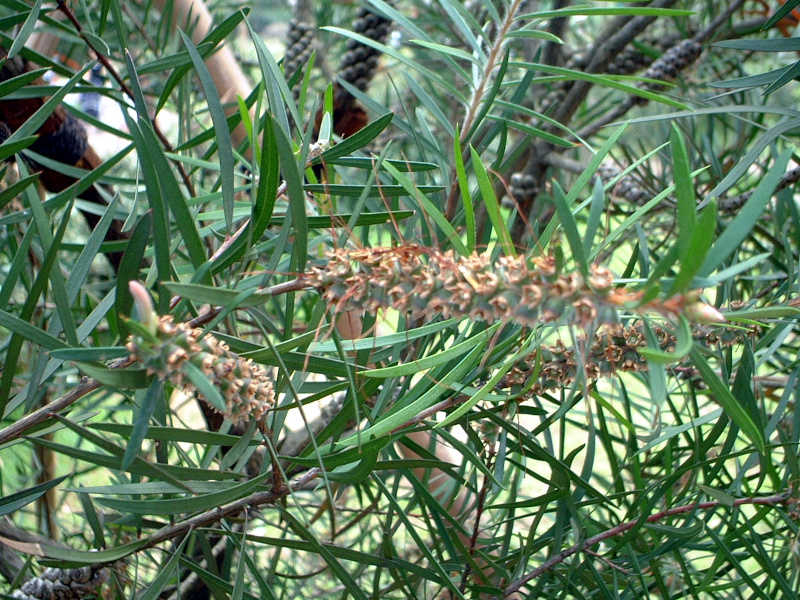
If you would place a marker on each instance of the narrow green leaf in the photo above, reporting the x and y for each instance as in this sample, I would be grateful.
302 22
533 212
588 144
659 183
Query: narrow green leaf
14 502
684 191
30 333
357 191
278 92
26 30
35 121
421 364
336 568
570 229
141 421
166 574
463 187
683 344
791 44
181 63
742 388
222 131
81 557
129 268
596 206
601 80
363 162
696 249
13 84
723 396
491 204
93 519
297 198
124 379
448 50
430 208
216 295
585 11
190 504
205 387
738 229
783 10
444 380
356 141
11 147
172 434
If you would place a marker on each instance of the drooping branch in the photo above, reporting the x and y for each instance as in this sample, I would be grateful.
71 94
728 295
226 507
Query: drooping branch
773 500
87 385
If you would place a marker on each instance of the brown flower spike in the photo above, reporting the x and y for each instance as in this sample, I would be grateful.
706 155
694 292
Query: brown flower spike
167 349
423 282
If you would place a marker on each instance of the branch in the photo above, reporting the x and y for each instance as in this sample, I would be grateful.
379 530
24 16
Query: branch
655 70
606 48
86 386
773 500
478 97
213 516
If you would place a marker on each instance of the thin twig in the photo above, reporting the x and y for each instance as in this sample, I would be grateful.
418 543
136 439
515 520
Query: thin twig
773 500
479 507
622 32
478 97
213 516
62 6
86 386
631 101
606 49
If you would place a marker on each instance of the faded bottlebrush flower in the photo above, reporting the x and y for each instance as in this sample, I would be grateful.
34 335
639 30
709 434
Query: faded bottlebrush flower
166 352
614 349
63 584
425 282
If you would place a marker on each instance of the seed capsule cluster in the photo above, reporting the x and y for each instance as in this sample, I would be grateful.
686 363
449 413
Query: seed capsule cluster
245 387
360 61
62 584
632 60
677 55
424 282
674 60
626 186
522 186
299 46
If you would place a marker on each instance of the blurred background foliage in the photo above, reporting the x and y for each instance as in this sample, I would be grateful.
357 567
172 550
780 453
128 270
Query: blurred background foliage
625 441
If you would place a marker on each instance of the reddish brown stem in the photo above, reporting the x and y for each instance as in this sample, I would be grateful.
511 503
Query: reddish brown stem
86 386
773 500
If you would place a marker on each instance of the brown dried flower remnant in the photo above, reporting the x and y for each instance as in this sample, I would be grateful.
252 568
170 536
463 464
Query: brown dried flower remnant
167 349
424 282
614 349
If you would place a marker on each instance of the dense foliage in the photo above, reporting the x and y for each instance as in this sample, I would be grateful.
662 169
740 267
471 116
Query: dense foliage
509 310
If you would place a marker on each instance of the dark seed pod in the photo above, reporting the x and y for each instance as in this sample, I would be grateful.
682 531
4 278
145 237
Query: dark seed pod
67 144
62 584
522 186
674 60
360 61
299 47
626 188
